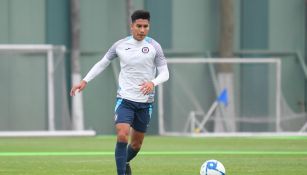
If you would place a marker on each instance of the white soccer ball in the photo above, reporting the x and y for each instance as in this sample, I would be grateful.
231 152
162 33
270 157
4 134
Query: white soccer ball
212 167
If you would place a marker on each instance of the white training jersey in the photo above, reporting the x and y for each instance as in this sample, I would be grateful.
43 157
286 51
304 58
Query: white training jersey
138 62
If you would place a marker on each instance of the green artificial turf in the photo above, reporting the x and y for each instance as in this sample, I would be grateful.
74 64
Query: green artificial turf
159 155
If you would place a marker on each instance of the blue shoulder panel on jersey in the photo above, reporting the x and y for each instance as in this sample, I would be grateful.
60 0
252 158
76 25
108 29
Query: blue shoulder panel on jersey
148 39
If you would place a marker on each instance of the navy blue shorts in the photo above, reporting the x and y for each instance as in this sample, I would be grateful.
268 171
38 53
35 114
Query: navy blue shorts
134 113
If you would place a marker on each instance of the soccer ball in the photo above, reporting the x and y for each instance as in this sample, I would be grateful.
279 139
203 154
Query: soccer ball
212 167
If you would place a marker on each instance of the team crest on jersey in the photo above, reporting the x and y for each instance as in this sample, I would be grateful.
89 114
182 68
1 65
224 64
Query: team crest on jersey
145 49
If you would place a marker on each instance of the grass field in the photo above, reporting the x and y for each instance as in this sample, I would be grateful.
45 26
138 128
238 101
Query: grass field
159 156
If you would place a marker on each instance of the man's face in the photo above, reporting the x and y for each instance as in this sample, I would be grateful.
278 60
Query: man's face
139 29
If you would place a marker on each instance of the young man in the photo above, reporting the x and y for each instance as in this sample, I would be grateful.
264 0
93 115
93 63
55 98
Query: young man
140 57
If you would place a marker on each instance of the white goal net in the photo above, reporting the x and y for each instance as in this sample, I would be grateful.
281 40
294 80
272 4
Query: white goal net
34 99
225 96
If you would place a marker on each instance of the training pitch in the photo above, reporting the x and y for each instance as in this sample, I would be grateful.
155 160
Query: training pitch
159 155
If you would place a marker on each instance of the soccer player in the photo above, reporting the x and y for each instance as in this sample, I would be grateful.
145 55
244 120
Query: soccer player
140 57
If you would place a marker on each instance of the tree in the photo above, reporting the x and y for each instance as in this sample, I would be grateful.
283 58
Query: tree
225 73
77 101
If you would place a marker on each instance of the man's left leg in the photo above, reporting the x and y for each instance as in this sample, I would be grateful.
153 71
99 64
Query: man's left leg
134 147
138 130
135 144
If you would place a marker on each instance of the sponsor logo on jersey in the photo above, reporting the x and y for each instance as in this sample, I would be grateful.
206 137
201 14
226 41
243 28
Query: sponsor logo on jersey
145 49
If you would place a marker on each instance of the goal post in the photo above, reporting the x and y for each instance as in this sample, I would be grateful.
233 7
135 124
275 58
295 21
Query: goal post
191 90
48 64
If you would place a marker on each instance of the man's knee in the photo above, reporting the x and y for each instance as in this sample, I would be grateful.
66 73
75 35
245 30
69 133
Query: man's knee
122 134
121 137
136 145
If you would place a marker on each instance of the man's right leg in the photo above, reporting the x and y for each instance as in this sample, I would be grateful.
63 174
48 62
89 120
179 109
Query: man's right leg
124 114
122 130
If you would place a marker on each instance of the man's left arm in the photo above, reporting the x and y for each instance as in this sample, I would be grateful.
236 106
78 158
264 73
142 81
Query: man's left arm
161 64
163 75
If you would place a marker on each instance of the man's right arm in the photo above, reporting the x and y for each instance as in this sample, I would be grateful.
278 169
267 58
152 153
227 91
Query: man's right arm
97 69
79 87
103 63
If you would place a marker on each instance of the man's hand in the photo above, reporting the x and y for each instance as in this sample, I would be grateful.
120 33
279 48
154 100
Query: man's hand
79 87
147 87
